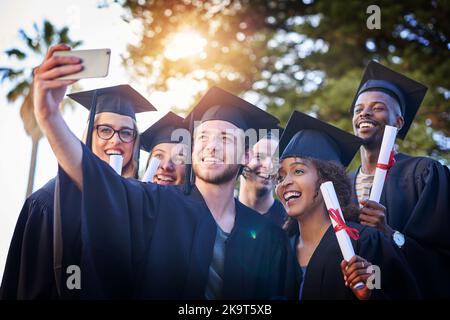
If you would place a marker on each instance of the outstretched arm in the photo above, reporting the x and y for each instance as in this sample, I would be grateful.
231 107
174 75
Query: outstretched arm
48 94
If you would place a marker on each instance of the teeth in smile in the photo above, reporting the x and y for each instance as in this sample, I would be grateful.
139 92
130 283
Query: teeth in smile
111 152
165 178
291 195
212 160
263 175
363 125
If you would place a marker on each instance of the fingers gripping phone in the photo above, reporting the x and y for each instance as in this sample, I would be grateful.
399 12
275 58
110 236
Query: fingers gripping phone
95 63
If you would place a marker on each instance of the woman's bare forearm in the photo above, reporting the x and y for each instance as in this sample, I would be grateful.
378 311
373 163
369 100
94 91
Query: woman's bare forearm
48 92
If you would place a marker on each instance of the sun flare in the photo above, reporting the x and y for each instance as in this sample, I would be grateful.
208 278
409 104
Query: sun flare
184 44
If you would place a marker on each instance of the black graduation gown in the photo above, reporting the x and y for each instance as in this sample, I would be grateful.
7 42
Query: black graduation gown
324 280
276 214
416 195
142 240
29 266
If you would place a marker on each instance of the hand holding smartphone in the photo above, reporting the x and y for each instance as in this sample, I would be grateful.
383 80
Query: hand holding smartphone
95 63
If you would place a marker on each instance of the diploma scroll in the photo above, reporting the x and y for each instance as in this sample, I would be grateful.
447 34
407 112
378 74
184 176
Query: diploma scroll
116 161
342 231
151 170
385 161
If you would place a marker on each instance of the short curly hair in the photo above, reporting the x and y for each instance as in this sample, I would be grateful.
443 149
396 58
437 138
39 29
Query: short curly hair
334 172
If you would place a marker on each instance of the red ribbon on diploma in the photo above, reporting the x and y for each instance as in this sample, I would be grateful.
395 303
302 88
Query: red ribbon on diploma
390 163
340 224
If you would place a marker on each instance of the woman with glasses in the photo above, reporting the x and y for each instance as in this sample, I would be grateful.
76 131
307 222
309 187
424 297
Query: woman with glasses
30 271
114 123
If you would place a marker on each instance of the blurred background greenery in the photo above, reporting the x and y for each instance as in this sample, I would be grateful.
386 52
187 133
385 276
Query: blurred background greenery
302 55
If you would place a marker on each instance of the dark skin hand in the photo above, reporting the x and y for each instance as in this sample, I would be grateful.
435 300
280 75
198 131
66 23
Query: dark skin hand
373 214
355 271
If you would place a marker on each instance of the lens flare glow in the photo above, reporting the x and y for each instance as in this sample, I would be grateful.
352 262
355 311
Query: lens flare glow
185 44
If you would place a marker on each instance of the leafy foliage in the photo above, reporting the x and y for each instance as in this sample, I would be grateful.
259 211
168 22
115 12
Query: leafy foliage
307 56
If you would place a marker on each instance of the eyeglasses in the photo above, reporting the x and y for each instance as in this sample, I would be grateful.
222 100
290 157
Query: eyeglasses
126 135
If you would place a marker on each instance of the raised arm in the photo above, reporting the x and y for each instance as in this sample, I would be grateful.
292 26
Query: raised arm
48 94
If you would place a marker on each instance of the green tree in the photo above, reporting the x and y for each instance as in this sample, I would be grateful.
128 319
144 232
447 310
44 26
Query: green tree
236 34
20 77
303 55
413 39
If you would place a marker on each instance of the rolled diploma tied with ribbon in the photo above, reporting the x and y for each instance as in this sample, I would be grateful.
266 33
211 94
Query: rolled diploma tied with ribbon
116 161
385 162
151 170
342 231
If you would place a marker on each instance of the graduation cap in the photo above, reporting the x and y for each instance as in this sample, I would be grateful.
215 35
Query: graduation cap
305 136
121 99
218 104
161 131
408 92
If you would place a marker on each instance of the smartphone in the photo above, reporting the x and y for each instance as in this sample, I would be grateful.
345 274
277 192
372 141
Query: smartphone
95 63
